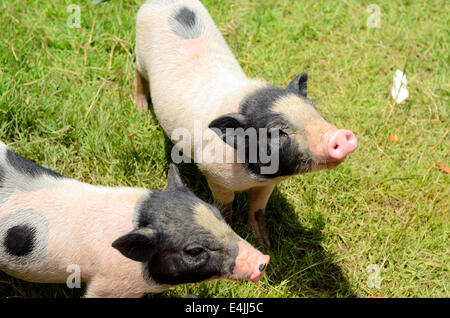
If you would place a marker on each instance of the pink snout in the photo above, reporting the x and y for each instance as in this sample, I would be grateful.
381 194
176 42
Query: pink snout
249 263
341 143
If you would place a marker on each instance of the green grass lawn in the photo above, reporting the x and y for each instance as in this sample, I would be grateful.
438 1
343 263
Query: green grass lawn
65 103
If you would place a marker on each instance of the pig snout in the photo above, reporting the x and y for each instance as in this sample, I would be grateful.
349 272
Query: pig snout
329 146
341 143
249 263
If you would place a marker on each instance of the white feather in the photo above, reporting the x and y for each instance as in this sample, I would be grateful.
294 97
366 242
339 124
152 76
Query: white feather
399 90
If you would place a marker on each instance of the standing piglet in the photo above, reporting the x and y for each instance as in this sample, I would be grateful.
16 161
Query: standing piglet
125 241
196 85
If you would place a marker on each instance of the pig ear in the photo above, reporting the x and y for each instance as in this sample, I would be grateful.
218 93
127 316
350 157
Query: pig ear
174 179
299 84
232 120
138 245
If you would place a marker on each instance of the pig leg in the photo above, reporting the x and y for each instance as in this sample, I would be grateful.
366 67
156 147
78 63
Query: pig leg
141 92
223 200
258 198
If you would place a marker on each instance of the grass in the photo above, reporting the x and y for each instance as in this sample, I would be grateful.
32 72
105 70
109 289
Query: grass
65 103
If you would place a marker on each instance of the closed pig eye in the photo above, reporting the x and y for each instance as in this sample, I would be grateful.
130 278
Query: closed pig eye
283 134
194 250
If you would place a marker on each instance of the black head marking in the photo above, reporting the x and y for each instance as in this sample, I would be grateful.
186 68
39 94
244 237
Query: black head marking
174 179
19 240
184 250
138 245
233 121
159 206
256 112
28 167
299 85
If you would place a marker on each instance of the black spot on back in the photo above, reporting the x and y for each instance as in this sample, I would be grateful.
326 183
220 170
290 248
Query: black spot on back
186 17
28 167
19 240
185 23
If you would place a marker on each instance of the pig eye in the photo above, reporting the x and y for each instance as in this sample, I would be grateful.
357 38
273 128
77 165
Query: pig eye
194 250
283 135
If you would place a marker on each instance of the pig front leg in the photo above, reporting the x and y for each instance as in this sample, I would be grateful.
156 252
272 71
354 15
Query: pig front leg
141 92
258 198
223 200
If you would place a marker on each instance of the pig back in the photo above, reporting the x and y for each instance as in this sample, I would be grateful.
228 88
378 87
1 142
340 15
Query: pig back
190 67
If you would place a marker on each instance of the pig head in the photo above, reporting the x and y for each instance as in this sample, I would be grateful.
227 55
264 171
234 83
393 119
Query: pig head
302 138
181 239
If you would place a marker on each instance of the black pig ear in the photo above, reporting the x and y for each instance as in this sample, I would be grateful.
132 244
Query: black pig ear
232 120
174 179
138 245
299 84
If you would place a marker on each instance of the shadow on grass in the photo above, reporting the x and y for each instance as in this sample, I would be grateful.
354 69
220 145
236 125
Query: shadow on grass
298 258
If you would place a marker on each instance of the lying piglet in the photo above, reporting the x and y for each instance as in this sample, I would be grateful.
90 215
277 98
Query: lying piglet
197 87
126 241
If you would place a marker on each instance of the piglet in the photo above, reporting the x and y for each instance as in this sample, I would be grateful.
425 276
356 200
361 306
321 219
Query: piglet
198 88
125 241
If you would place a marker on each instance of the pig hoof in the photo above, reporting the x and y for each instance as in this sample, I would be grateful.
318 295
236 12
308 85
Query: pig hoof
264 240
141 92
258 225
227 211
142 104
228 214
